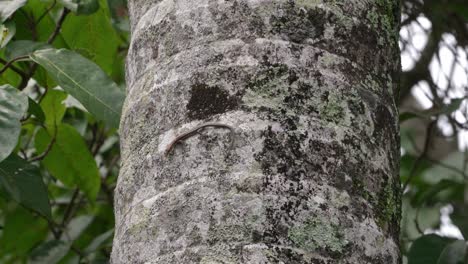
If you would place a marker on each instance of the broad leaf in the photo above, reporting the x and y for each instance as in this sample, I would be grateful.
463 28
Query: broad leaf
8 7
455 253
81 7
85 81
93 37
54 108
429 194
24 184
10 77
22 230
7 31
69 159
76 227
36 110
49 252
98 241
427 249
408 115
23 47
454 105
13 104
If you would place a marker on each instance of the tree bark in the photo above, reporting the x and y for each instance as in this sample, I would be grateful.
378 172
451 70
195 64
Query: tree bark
312 173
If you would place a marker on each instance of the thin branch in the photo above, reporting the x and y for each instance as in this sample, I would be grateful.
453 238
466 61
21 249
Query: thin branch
52 226
51 38
46 12
43 154
14 68
416 222
47 150
446 166
68 211
8 64
422 155
56 31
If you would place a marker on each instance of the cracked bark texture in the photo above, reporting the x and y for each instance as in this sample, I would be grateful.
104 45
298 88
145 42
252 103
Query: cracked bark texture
312 176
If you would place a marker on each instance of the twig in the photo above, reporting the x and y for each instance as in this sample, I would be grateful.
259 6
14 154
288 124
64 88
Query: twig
99 141
422 155
8 64
43 154
51 38
416 222
68 211
52 229
45 12
47 150
56 31
14 68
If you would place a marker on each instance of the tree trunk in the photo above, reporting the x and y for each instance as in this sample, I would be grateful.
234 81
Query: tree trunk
312 172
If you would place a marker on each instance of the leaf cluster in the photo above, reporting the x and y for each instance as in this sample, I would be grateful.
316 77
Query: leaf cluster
61 95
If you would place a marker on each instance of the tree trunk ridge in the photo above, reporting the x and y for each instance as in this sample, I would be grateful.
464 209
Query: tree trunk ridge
307 85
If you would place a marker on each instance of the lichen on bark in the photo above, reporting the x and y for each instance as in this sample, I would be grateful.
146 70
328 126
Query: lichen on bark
307 85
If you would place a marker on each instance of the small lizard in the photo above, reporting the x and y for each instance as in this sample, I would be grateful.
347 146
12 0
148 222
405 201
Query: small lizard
194 130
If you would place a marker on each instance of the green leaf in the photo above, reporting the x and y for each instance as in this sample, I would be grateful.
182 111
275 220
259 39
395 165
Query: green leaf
427 249
429 193
49 252
7 30
453 105
426 217
454 253
69 159
10 77
85 81
408 115
93 37
8 7
81 7
43 29
23 182
53 108
36 110
23 47
445 109
13 104
98 241
21 230
76 227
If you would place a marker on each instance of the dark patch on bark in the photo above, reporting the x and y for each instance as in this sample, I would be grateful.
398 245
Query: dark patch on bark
206 101
298 24
239 20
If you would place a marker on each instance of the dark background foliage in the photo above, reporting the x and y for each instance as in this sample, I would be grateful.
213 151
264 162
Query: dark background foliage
59 147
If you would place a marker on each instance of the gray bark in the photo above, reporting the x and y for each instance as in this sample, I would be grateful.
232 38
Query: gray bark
308 86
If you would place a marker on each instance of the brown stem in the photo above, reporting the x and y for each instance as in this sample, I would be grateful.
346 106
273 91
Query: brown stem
56 31
422 155
14 68
8 64
46 12
43 154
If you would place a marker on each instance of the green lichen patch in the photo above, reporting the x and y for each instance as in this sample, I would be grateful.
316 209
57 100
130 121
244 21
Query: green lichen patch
206 101
281 90
333 108
318 234
388 209
308 3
